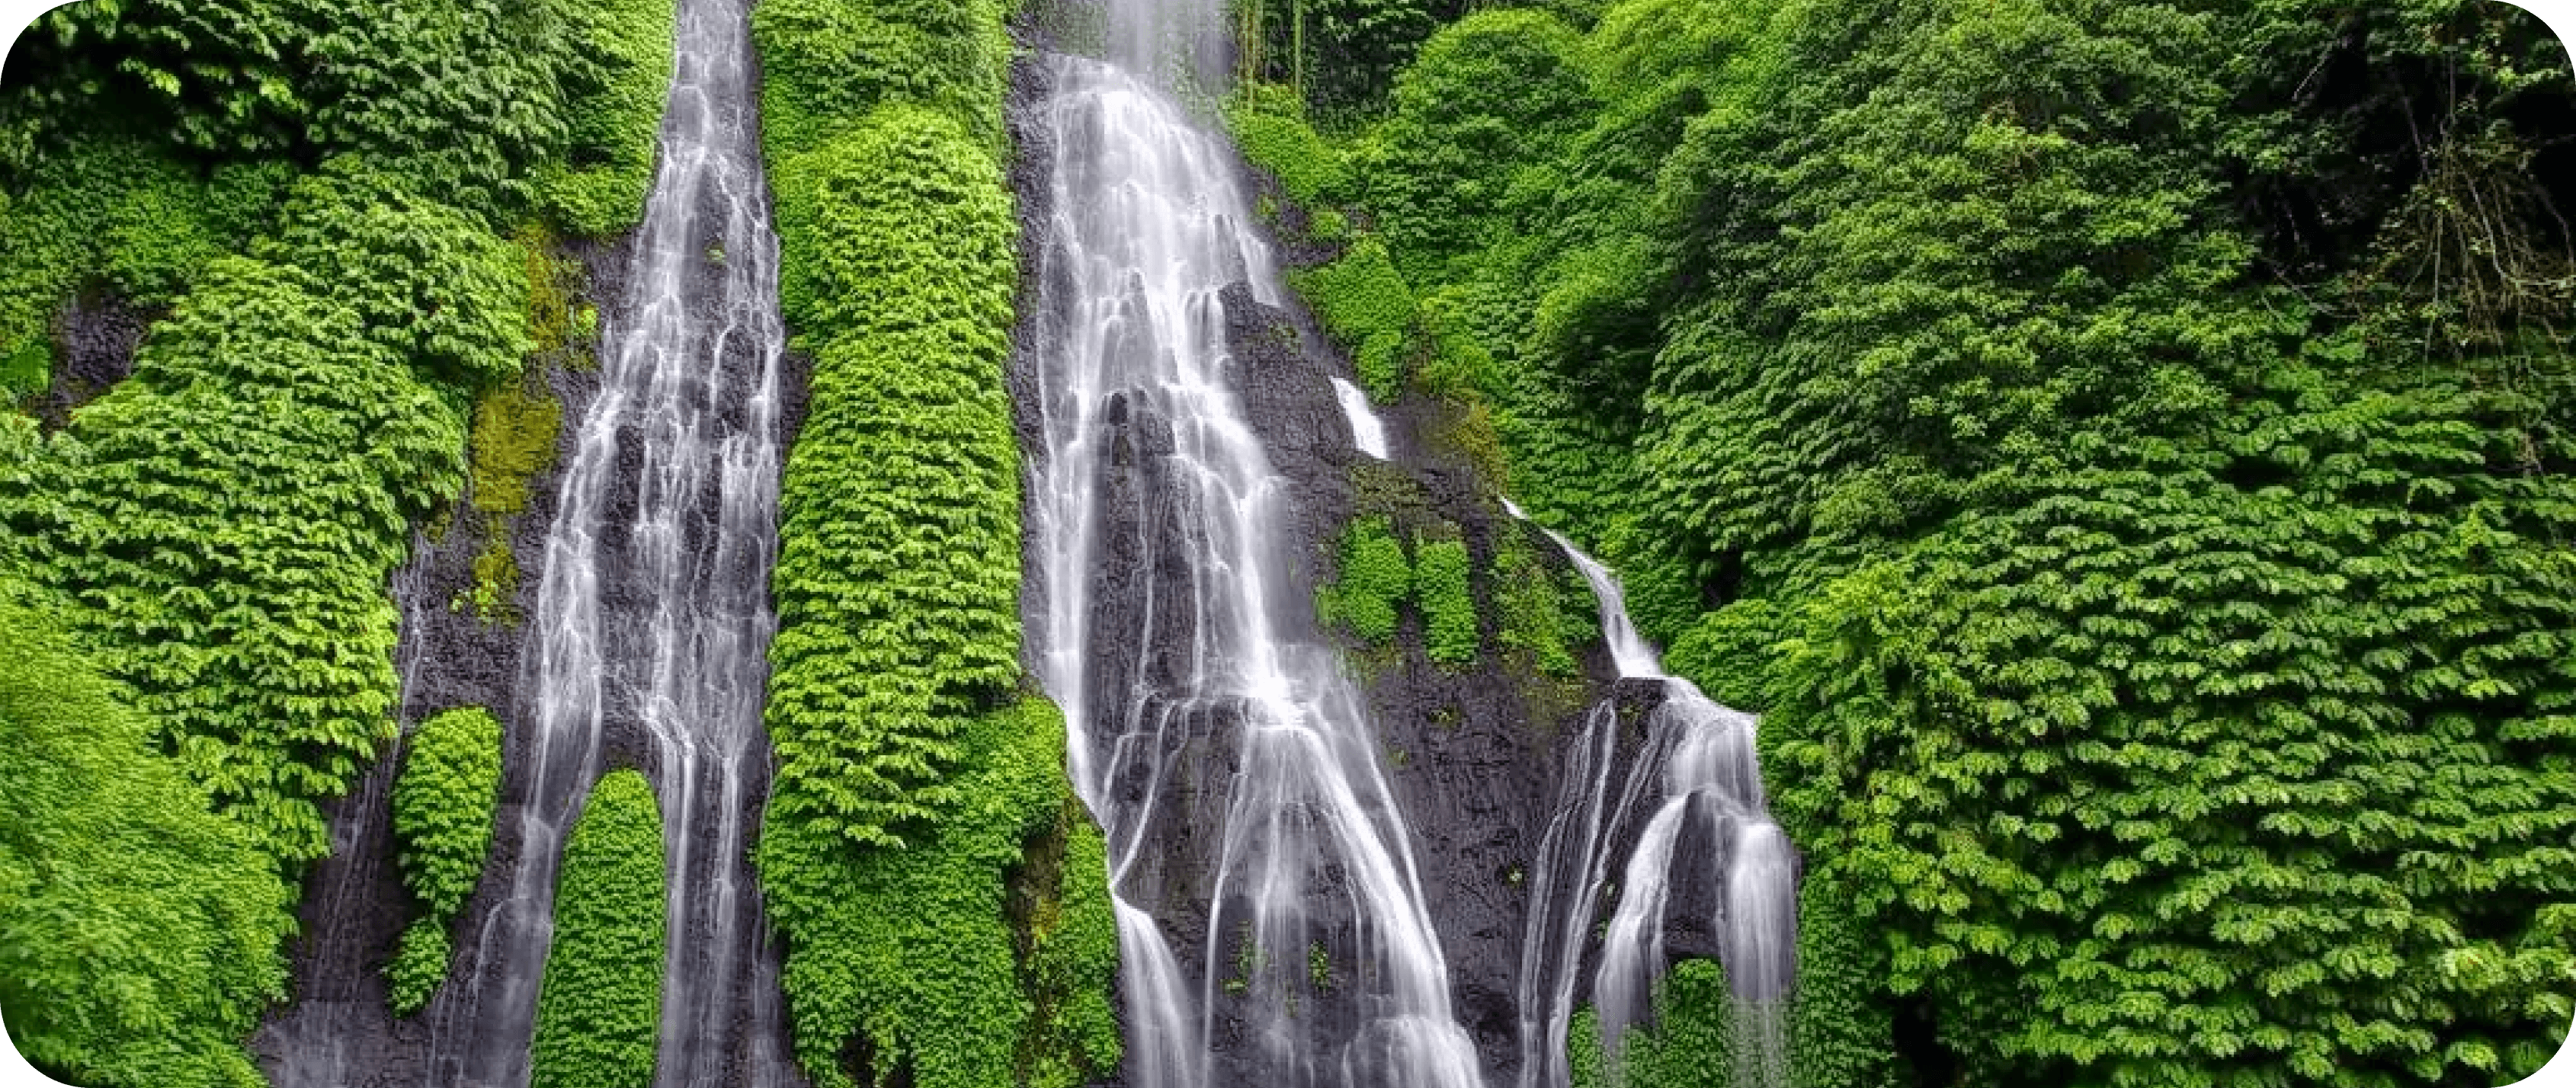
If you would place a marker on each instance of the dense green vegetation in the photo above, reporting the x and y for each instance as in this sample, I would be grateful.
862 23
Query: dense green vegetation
443 808
1540 622
139 931
943 900
1689 1041
599 1006
312 206
1373 581
922 954
2123 449
221 527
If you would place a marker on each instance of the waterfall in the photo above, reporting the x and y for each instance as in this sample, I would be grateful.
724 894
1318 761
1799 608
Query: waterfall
652 619
1202 720
1368 432
1700 759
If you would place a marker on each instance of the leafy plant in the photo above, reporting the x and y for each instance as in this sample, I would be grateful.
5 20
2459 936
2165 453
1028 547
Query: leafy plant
443 807
139 931
600 1004
1375 578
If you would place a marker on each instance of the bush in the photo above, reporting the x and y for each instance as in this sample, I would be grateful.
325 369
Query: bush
898 570
911 952
429 281
223 525
1691 1041
615 83
1440 583
1375 578
826 65
599 1008
139 932
443 809
1366 305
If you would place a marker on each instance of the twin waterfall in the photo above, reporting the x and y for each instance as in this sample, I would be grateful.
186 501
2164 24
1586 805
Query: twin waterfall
653 618
1274 927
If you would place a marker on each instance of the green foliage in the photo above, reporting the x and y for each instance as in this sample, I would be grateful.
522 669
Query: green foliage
119 214
1838 1024
1690 1043
825 65
913 951
443 808
1537 613
139 931
600 1003
614 83
1375 577
2120 447
1440 585
1488 103
222 526
2297 739
943 900
1272 131
419 966
898 571
429 282
1366 305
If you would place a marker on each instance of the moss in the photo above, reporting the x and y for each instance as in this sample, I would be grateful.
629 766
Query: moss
512 444
600 1003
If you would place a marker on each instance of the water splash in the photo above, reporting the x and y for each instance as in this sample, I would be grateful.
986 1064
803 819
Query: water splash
1138 415
653 610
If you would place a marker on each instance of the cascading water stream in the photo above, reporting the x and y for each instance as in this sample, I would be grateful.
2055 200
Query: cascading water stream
1137 411
653 617
1711 789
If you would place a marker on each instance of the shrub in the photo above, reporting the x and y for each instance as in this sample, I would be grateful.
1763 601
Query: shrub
898 570
911 950
1440 584
1375 578
139 931
599 1008
443 807
223 525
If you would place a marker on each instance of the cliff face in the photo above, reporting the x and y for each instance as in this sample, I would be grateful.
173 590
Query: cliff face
1474 753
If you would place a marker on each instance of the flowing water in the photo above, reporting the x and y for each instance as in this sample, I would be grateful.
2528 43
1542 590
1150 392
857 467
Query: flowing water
1368 432
1699 762
653 617
1311 857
